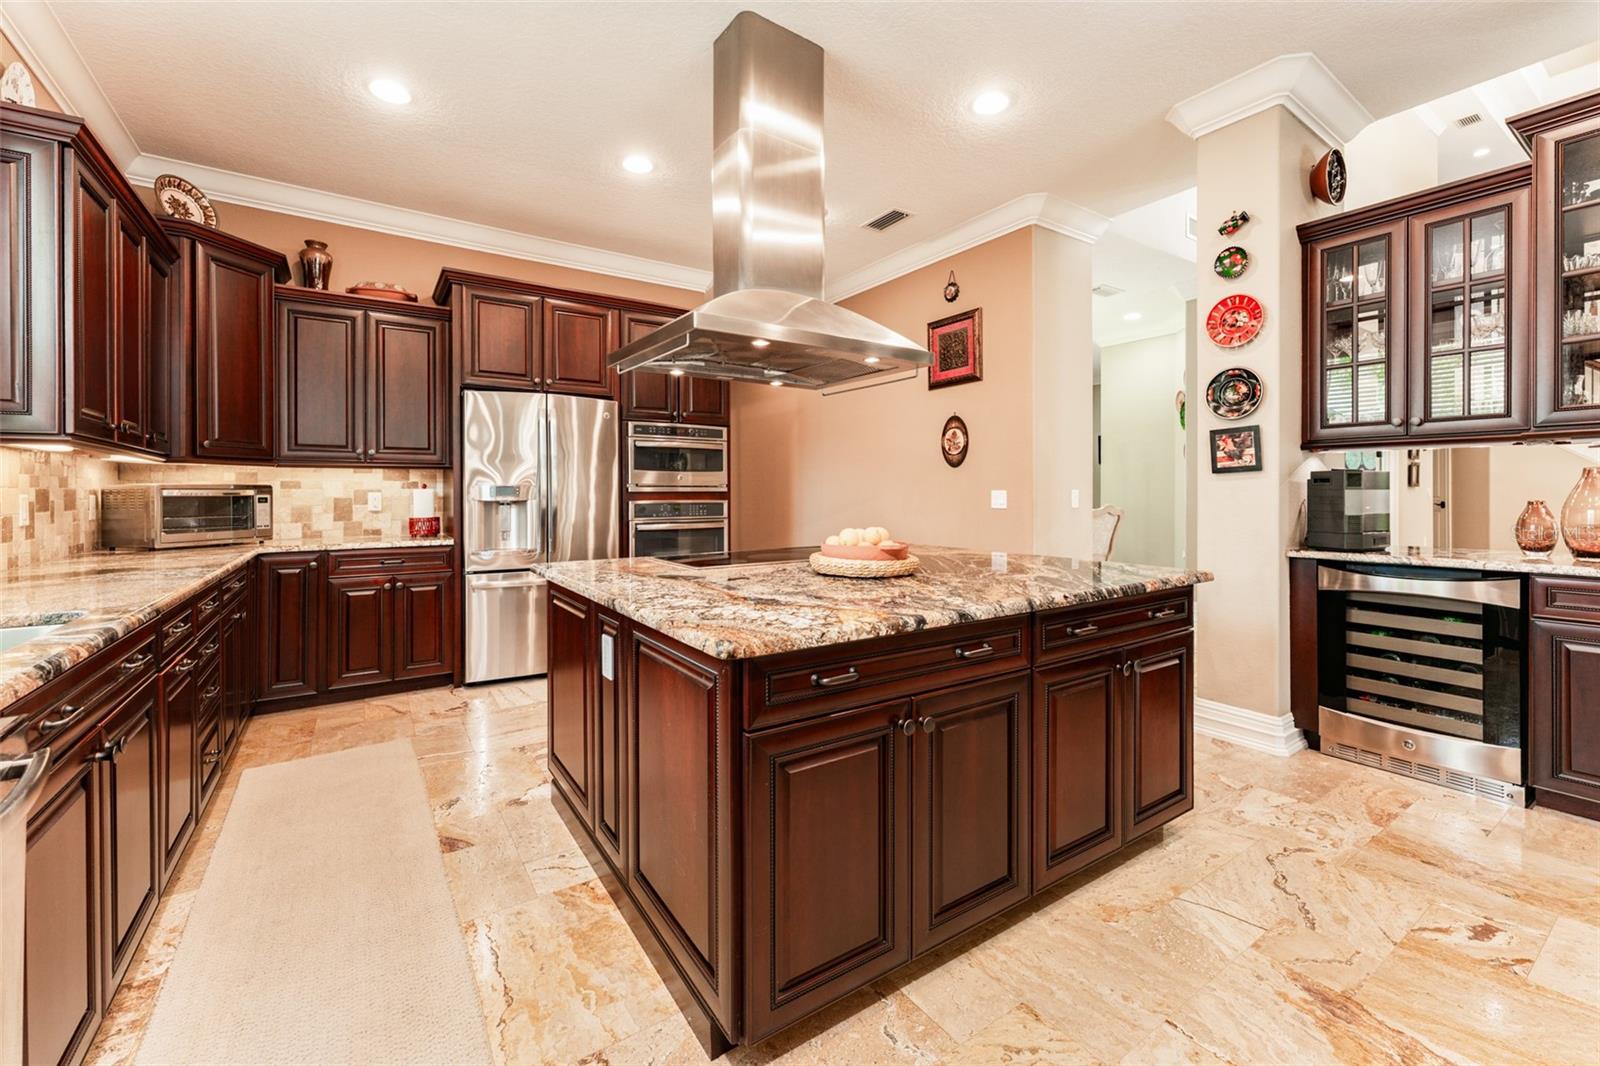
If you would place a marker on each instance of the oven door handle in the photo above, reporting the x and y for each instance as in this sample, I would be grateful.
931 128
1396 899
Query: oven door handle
1500 592
668 442
657 527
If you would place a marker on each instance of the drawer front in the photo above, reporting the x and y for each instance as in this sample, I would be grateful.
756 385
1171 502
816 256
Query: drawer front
233 586
210 691
787 688
391 561
1075 631
69 707
210 760
208 605
1571 599
178 628
208 649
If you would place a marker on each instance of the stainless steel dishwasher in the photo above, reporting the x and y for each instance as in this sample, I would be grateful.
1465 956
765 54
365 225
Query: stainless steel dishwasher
21 778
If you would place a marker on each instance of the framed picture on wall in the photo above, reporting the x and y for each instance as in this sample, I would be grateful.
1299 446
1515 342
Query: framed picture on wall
957 346
1235 449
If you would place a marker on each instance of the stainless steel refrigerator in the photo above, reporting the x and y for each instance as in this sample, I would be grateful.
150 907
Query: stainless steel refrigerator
539 484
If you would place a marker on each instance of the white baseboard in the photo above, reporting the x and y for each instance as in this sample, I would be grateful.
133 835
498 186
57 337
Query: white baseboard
1273 734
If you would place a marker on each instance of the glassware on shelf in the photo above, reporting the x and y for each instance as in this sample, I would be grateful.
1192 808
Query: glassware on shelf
1489 244
1372 270
1338 268
1580 323
1580 515
1444 254
1536 530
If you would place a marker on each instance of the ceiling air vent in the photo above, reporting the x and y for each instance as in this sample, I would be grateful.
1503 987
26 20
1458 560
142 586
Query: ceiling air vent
887 219
1107 290
1468 120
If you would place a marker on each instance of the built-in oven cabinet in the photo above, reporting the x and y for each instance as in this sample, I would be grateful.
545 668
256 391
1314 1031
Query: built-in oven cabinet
667 457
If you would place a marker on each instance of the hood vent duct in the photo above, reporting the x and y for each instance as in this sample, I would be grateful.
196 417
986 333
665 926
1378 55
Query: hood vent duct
767 320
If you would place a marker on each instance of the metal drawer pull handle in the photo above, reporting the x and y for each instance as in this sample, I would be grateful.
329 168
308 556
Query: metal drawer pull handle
394 562
209 648
1083 631
212 691
211 756
209 605
975 653
238 616
848 677
136 662
185 666
1166 612
69 715
1127 668
180 629
235 586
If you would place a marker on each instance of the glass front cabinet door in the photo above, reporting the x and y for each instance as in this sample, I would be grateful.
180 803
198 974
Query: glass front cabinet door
1355 382
1470 291
1566 185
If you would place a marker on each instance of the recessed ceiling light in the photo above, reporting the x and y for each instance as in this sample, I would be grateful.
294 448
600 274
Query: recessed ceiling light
389 91
991 102
1132 316
675 372
637 164
758 343
1480 152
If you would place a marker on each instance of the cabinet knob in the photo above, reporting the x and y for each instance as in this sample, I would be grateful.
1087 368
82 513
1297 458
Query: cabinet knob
909 727
927 725
312 565
388 584
1397 421
1416 420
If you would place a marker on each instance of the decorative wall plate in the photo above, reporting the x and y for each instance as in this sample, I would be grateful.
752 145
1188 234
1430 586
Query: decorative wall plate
1329 177
16 86
1234 224
1234 393
383 290
1235 321
952 289
183 201
1231 262
953 441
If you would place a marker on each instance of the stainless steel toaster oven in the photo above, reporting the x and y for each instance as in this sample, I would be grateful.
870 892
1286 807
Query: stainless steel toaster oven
183 516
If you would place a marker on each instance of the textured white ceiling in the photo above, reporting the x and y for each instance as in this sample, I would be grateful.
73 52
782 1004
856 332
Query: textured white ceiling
523 111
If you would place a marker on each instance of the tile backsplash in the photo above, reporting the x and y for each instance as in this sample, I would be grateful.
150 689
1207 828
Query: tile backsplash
312 504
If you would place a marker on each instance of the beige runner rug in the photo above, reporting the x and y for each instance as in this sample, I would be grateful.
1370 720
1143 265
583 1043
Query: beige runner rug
324 931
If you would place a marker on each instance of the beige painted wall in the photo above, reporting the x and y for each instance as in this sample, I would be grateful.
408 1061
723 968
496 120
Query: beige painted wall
1517 475
1141 444
1245 521
1469 498
805 464
1391 157
10 55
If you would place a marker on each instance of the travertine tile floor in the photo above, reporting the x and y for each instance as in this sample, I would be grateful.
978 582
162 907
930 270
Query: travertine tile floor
1305 911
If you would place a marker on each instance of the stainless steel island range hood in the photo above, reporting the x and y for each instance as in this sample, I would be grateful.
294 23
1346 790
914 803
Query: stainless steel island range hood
767 320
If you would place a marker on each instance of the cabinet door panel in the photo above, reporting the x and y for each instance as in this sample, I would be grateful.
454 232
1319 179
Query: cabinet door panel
290 629
233 356
322 406
30 309
361 641
646 396
406 390
1564 709
130 368
500 338
703 400
971 849
571 722
610 738
1566 349
93 385
62 927
133 827
238 668
180 708
1355 343
424 633
1158 723
577 339
161 337
828 866
1076 767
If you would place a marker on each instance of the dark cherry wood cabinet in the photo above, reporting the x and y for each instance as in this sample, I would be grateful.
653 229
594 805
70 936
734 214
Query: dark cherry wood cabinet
162 332
424 613
133 853
651 397
238 663
180 756
360 384
289 588
829 867
498 337
829 814
1564 694
87 303
577 338
1077 765
360 631
703 400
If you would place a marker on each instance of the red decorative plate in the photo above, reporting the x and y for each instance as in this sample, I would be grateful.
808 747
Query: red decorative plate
1235 321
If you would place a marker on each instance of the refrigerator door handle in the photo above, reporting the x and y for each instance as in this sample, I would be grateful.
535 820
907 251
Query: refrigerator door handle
476 582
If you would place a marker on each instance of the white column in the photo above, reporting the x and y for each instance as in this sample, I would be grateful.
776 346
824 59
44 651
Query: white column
1063 395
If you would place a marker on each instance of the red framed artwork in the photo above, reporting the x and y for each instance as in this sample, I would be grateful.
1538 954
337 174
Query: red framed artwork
957 347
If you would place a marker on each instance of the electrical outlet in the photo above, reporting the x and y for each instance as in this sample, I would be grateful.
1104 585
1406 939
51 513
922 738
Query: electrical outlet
997 499
375 502
1075 498
997 562
24 512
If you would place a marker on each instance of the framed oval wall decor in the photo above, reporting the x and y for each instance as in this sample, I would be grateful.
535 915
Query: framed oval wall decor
1234 393
1235 321
954 441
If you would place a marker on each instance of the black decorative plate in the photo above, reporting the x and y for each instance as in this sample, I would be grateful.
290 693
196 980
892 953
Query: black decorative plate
1234 393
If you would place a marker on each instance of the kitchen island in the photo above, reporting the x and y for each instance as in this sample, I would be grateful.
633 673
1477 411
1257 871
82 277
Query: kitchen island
802 783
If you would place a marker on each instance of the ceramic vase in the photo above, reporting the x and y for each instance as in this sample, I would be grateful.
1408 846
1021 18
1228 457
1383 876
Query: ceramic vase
316 265
1580 516
1536 529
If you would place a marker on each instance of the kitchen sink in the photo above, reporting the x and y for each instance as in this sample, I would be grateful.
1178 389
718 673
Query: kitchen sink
11 636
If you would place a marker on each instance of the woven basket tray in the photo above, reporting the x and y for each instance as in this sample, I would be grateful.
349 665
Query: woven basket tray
824 564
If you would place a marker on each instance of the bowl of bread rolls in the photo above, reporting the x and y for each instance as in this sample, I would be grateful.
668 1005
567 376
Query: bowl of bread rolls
863 551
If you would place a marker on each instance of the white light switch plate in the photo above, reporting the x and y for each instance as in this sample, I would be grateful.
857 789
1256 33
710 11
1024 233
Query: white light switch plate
1075 497
997 499
375 502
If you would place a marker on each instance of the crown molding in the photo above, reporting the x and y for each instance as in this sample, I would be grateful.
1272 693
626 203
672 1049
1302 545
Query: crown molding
1298 83
231 187
1045 210
54 60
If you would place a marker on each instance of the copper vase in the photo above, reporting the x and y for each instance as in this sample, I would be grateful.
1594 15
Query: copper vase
316 265
1536 529
1580 516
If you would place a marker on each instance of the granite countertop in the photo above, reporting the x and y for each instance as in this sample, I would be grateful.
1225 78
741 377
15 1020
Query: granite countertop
750 611
101 597
1561 564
